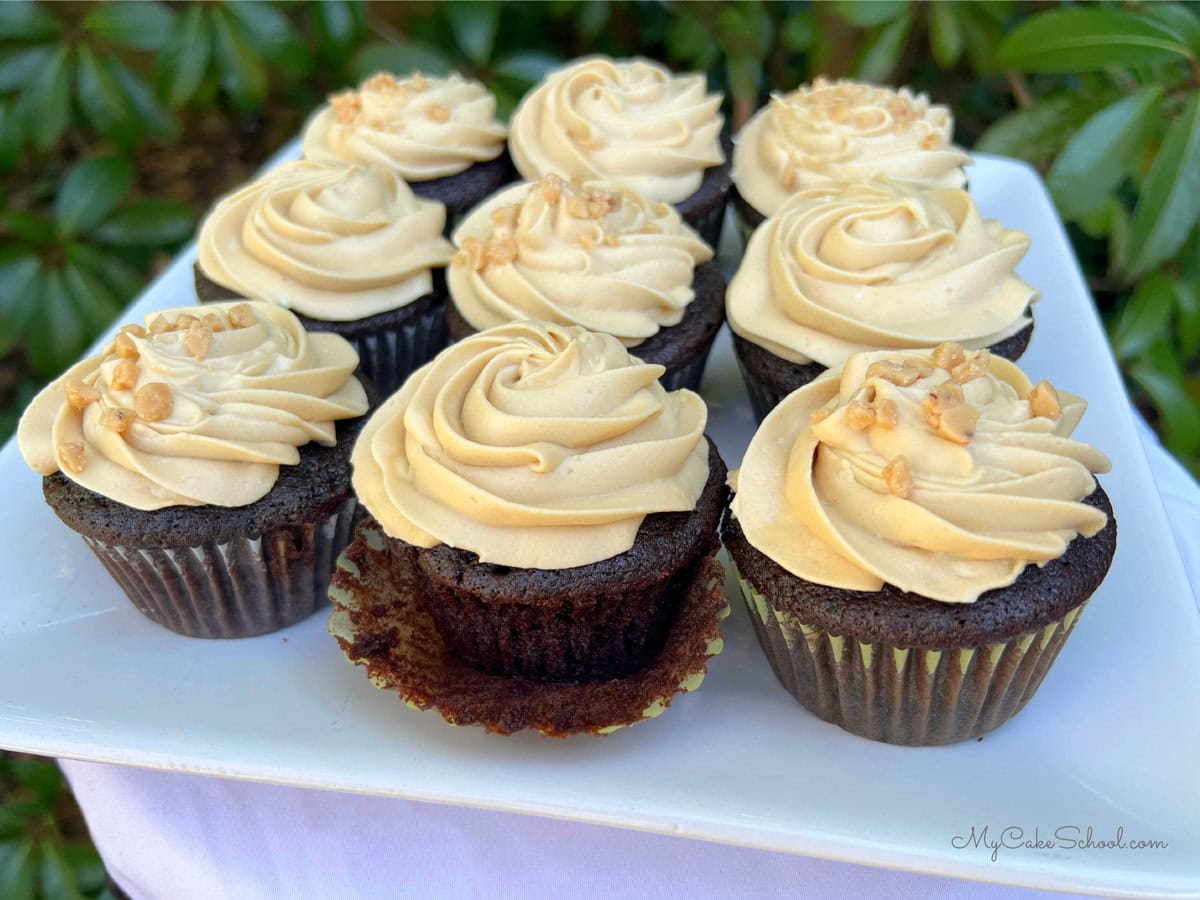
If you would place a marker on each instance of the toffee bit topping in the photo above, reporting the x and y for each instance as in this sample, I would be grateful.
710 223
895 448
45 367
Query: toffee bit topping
577 207
124 376
124 347
957 423
887 414
153 402
437 112
476 253
552 187
159 324
610 240
418 82
947 355
931 141
860 416
943 397
898 477
346 106
134 330
651 228
501 251
382 82
1044 402
787 178
71 455
820 414
899 374
80 394
975 367
183 322
117 418
214 322
242 316
197 340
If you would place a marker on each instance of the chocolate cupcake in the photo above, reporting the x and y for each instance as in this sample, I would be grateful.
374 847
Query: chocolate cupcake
841 131
199 459
592 255
349 249
915 535
846 268
549 501
628 122
440 135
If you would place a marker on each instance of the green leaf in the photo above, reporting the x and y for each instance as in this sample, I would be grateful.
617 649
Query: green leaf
30 227
1179 20
98 305
46 101
745 75
981 34
745 29
591 18
90 191
102 101
338 25
125 281
945 37
799 31
1145 318
57 334
243 75
1187 304
17 868
869 13
690 42
55 876
1037 133
1080 40
881 53
148 223
12 135
528 67
1101 153
87 867
474 23
1189 257
1180 414
1118 235
18 303
143 25
183 60
16 65
24 21
1169 204
272 35
12 823
39 776
154 119
400 59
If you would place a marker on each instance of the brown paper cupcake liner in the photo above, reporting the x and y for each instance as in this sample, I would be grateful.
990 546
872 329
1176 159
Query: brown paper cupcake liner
902 695
233 589
381 623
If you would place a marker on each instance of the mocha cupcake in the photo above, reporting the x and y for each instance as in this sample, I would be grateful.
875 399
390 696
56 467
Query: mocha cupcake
592 255
841 131
628 122
199 458
349 249
916 534
440 135
846 268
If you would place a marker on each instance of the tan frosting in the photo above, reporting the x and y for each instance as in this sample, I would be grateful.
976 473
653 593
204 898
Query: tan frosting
963 511
845 268
242 400
421 127
531 445
625 121
337 243
844 131
592 255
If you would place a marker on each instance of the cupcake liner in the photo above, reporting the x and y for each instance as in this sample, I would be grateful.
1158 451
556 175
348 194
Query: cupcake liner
708 223
690 375
233 589
390 355
763 398
901 695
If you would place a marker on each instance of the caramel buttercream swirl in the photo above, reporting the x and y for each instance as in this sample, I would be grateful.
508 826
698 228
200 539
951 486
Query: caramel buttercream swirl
588 254
944 475
331 242
844 131
202 405
531 445
624 121
420 127
846 268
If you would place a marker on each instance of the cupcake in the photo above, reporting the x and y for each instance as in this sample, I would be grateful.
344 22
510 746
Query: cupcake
199 458
440 135
916 534
841 131
593 255
349 249
553 507
628 122
846 268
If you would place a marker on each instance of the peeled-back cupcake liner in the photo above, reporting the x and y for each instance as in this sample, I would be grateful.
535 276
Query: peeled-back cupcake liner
238 588
903 695
389 356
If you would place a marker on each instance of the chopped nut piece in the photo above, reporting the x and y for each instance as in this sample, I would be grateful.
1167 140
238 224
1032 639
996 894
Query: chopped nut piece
71 455
941 398
153 401
948 355
552 189
958 423
418 82
80 394
197 340
900 374
382 82
159 324
476 252
577 207
499 216
242 316
975 367
214 322
124 376
651 228
1044 402
931 141
859 416
898 477
887 414
346 106
134 330
183 322
437 112
124 347
599 204
502 251
820 414
117 418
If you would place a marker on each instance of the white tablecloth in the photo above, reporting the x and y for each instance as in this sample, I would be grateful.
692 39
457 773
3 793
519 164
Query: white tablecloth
169 836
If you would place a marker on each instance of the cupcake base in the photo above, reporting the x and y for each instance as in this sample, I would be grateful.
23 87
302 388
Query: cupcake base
381 623
705 210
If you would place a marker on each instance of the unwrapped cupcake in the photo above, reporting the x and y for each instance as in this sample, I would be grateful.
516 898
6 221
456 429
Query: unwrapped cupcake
200 457
916 534
349 249
594 255
628 122
845 268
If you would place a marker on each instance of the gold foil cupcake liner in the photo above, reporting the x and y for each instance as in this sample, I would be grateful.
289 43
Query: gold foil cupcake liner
903 695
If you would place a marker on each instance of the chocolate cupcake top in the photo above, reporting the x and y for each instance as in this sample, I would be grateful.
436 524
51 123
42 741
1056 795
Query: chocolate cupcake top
943 473
625 121
846 268
844 131
592 254
420 127
531 445
201 405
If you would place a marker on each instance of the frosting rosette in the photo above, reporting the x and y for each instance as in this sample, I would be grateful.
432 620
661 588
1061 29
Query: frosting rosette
626 121
844 131
944 474
331 242
846 268
531 445
202 405
420 127
587 254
